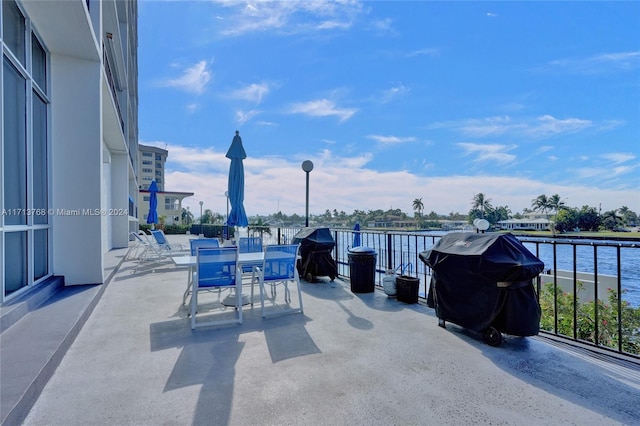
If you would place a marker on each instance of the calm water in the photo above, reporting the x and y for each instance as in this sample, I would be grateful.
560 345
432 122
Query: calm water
407 247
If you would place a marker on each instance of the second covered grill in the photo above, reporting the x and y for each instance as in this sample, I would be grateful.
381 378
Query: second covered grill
316 245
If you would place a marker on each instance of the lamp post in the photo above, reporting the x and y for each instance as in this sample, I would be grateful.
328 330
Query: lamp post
201 232
307 166
226 222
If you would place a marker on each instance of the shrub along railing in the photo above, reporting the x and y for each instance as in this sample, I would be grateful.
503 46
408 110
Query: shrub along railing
602 312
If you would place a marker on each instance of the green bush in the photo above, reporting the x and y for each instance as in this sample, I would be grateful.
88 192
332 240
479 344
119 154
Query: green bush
586 313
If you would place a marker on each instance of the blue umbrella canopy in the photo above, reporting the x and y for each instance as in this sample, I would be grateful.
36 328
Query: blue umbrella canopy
237 216
152 217
356 235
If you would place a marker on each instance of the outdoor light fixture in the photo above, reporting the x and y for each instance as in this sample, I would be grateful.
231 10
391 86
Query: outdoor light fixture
307 166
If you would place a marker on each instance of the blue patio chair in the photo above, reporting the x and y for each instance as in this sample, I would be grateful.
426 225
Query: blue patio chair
249 245
216 269
279 268
163 244
195 244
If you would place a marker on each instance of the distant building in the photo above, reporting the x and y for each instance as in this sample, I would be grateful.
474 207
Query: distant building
151 166
169 206
538 224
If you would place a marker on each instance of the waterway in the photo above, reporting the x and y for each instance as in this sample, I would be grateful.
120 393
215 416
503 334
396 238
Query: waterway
406 248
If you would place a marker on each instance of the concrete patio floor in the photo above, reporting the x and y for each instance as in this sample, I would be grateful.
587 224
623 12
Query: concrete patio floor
356 359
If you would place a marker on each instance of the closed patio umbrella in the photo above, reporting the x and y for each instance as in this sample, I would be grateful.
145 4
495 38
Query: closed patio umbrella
356 235
152 217
237 216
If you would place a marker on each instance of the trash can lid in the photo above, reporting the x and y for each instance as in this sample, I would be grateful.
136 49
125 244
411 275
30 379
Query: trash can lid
362 250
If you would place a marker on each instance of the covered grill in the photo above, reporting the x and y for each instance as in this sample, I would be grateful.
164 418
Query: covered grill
316 245
484 282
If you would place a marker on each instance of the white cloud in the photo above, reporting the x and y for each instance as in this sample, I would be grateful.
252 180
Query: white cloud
193 79
322 108
393 92
619 157
489 152
543 126
429 51
252 93
600 63
391 140
291 16
346 183
244 116
548 125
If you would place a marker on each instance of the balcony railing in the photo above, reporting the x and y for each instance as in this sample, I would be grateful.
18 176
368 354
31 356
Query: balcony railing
589 292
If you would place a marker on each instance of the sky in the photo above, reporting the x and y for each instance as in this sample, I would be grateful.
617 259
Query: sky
394 101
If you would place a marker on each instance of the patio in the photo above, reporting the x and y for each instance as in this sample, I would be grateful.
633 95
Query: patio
349 359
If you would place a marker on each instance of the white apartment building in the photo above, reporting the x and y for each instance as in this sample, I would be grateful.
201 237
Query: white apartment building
68 181
151 166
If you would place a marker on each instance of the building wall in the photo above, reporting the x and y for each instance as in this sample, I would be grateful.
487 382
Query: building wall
91 135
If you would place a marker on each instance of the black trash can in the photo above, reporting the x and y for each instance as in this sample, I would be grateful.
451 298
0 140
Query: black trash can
407 289
362 269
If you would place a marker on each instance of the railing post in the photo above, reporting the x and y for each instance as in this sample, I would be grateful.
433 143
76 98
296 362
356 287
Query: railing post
389 252
619 298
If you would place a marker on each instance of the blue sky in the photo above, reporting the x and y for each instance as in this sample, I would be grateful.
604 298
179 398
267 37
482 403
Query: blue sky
394 101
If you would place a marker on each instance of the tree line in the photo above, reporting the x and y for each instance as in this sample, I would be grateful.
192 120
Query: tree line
563 217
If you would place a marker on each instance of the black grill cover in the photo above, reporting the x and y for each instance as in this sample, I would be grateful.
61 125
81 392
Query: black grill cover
316 245
483 280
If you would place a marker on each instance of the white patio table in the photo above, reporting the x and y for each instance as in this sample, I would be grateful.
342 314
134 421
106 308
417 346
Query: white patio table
190 262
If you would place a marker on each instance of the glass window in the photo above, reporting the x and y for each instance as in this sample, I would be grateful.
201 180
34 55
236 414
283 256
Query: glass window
158 157
147 154
13 30
40 253
15 258
15 146
40 175
38 63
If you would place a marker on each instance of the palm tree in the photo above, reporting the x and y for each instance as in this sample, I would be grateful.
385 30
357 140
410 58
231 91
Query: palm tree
187 216
418 206
611 221
541 204
555 204
259 227
480 202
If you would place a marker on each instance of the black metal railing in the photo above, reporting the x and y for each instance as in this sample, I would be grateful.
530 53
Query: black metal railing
588 293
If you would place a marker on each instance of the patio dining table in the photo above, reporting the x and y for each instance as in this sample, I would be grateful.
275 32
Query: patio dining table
190 262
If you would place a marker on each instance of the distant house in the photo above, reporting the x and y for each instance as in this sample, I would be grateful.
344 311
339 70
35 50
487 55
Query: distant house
538 224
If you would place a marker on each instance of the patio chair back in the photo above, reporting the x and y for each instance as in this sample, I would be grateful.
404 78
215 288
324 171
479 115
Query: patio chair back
217 268
249 244
197 243
279 268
